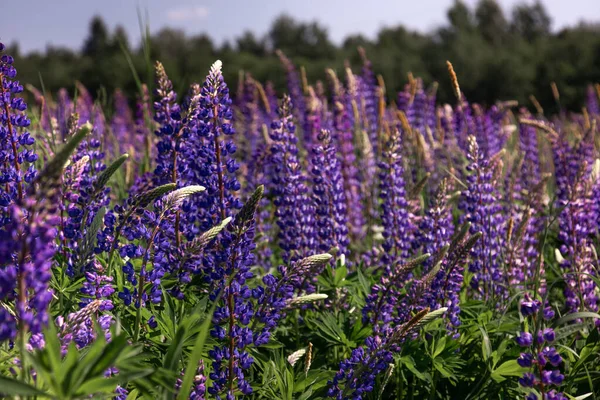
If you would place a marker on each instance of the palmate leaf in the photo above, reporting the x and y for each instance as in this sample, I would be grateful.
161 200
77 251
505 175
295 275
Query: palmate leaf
80 373
330 330
509 368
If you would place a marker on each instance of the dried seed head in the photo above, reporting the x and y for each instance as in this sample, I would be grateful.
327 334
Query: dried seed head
309 357
454 80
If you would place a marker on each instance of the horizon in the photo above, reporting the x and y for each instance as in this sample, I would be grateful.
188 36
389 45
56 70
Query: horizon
69 27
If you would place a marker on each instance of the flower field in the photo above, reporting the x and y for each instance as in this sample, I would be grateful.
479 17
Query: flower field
334 241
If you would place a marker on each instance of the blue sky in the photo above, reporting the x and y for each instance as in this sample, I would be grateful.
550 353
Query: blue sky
37 23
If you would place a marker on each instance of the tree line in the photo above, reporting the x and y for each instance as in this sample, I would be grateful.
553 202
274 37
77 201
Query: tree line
498 56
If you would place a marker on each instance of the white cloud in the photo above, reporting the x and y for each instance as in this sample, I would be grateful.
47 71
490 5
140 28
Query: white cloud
191 13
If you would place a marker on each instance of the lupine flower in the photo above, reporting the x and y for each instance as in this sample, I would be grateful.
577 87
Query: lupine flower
370 95
343 140
593 108
294 88
538 355
357 374
398 229
482 208
232 318
576 221
16 144
329 197
294 210
198 391
121 126
278 289
28 224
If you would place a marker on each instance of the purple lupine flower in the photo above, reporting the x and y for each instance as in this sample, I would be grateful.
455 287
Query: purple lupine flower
120 393
329 197
576 221
98 286
29 219
525 207
142 119
81 200
357 375
482 210
538 356
294 88
255 122
84 105
419 108
232 317
167 116
26 250
210 156
384 304
198 391
64 110
370 96
343 139
312 121
295 211
434 233
121 127
16 144
591 103
251 129
79 327
398 230
278 289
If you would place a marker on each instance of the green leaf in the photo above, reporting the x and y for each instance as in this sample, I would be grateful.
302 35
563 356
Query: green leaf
486 347
577 315
14 387
101 384
107 358
441 368
364 284
176 348
409 363
509 368
439 347
568 330
340 275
